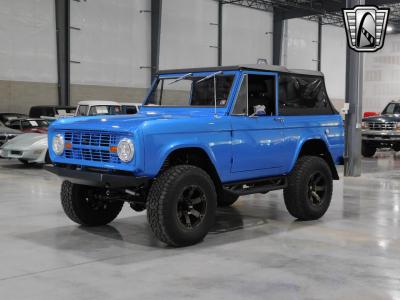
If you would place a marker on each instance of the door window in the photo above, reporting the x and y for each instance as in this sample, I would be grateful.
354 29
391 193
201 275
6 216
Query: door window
242 98
256 96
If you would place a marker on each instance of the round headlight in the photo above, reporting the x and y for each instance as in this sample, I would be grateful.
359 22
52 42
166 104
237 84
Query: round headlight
125 150
58 144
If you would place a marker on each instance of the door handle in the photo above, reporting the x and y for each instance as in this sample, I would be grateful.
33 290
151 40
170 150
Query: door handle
279 119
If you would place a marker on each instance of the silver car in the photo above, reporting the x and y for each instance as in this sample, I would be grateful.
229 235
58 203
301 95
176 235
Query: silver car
28 148
7 134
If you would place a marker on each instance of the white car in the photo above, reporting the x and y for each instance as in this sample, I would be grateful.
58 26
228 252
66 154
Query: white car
28 148
102 107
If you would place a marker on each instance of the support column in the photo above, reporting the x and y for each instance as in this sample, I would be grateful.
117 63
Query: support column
354 93
220 5
277 37
319 43
156 9
62 11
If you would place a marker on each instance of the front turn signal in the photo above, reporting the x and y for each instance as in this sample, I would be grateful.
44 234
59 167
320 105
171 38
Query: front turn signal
113 149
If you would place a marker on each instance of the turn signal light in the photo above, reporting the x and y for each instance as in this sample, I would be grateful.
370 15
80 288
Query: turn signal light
68 145
113 149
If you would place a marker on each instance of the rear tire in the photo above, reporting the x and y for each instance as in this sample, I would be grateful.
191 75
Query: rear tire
81 207
309 191
181 205
367 150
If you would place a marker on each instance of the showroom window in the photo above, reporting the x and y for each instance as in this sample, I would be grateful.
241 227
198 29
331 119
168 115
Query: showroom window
303 95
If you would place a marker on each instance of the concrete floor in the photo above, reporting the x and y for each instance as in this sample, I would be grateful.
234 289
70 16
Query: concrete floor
256 250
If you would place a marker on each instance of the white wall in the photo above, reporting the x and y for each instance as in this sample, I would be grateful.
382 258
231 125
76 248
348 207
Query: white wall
186 34
246 35
113 43
382 75
28 41
300 47
333 61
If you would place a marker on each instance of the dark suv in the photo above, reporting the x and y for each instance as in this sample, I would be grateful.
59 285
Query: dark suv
382 131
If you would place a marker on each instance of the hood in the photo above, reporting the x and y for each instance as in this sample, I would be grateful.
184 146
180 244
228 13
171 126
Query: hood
383 118
26 140
116 122
4 129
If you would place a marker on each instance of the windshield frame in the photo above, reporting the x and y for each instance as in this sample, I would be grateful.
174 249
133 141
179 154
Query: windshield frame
226 107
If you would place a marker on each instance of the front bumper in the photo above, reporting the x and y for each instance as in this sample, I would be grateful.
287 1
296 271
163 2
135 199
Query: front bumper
385 136
98 179
28 155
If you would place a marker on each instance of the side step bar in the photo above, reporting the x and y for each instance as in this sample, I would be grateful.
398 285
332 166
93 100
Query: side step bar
258 186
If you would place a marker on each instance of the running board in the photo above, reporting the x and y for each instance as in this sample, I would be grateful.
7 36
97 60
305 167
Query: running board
258 186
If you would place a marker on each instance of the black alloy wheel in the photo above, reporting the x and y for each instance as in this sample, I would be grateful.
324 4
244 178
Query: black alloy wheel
192 206
317 187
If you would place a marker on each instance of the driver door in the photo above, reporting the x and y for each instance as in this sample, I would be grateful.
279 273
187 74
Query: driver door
257 132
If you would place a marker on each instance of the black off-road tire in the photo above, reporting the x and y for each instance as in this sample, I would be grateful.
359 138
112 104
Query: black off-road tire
76 207
367 150
226 199
165 197
299 199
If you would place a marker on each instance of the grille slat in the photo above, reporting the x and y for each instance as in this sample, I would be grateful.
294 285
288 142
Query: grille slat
92 146
381 125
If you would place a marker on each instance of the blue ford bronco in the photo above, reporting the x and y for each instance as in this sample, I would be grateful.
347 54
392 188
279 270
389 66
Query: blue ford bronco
203 138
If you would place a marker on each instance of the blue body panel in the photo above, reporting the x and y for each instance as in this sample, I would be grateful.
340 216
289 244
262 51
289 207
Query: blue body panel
240 147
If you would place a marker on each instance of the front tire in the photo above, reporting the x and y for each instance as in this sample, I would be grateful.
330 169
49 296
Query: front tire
181 205
367 150
309 191
80 205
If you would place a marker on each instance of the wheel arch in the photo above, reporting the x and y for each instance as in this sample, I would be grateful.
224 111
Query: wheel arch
317 147
192 155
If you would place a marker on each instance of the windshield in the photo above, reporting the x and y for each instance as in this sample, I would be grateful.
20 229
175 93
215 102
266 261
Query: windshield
34 123
392 109
104 110
191 90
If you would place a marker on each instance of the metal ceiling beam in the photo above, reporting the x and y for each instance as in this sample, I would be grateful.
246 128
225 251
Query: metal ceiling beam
330 10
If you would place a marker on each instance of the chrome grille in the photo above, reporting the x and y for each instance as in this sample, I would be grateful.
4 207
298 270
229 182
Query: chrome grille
92 146
381 125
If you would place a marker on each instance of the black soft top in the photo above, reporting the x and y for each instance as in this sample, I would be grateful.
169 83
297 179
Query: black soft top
258 67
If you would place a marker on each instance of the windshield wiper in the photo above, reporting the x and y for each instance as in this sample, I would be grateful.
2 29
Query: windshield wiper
209 76
181 78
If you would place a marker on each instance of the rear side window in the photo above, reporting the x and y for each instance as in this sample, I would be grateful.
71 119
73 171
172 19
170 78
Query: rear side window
303 95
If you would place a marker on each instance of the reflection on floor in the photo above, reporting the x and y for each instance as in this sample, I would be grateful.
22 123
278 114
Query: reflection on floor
256 250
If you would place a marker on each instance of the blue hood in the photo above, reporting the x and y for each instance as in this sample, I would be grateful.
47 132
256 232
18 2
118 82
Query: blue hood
124 123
